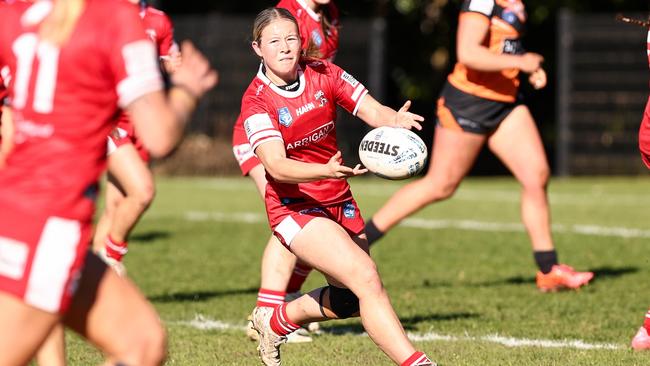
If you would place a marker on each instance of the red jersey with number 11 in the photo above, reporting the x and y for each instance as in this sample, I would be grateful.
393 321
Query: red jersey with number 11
64 98
305 121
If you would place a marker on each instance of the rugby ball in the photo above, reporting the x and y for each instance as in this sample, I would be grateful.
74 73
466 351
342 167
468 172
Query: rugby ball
393 153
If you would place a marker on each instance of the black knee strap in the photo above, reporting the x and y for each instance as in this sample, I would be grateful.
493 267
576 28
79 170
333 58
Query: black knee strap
343 302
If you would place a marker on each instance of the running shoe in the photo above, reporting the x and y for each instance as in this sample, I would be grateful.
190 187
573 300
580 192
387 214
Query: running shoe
270 342
562 277
641 340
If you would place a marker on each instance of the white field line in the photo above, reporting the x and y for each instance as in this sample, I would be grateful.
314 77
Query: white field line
594 196
418 223
204 323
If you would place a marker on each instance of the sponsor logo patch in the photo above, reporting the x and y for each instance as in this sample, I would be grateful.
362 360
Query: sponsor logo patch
349 79
316 37
284 116
313 136
349 210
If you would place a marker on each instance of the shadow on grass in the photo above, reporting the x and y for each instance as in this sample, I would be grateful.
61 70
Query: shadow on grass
612 272
409 323
197 296
147 237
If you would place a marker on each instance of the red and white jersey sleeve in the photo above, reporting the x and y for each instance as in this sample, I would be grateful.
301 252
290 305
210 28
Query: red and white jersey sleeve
348 90
65 98
259 123
160 29
134 64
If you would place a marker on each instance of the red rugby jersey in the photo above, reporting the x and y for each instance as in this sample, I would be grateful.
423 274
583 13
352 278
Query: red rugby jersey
305 121
160 30
64 98
309 23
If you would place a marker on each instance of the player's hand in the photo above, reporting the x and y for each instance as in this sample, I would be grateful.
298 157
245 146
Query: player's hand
172 62
538 79
530 62
194 73
339 171
406 119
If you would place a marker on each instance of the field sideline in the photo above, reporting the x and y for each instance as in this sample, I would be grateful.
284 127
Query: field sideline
460 274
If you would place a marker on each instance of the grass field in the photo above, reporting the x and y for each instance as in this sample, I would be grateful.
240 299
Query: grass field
460 275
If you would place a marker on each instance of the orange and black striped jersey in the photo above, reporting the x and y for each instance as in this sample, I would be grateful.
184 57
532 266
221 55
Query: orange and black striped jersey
507 19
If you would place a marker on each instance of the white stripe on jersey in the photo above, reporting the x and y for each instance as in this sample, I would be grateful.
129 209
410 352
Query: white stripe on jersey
357 92
55 254
356 107
143 75
264 136
288 229
259 128
482 6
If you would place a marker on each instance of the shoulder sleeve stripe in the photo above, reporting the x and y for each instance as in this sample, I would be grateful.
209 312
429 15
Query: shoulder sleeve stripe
266 137
142 75
357 92
259 128
356 107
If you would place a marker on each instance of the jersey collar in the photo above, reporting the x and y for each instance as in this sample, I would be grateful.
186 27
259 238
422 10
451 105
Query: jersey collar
280 91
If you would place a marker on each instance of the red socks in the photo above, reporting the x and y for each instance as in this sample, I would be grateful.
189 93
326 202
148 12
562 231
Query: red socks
280 323
115 250
418 359
298 277
646 323
269 298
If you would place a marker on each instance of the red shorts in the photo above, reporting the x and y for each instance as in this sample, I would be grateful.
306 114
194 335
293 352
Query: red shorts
41 257
242 150
286 222
644 136
123 134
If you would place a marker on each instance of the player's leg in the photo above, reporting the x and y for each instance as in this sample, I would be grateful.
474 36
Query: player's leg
112 314
277 262
24 329
327 247
517 143
278 267
113 196
132 175
52 351
453 154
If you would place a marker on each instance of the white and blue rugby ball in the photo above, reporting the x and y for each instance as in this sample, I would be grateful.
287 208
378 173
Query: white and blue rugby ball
393 153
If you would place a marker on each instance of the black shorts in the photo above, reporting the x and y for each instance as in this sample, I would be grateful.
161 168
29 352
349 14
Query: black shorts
459 110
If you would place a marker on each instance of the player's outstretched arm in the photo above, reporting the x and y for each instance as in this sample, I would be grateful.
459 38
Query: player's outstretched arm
376 114
284 170
160 119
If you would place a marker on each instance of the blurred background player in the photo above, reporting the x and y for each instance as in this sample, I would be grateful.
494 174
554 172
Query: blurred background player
289 113
641 340
63 97
480 105
282 276
130 187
